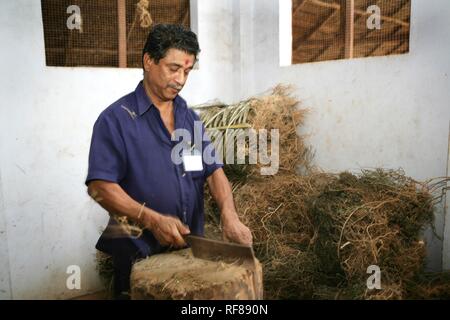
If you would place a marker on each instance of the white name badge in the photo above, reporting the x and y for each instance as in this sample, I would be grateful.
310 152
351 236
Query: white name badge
192 162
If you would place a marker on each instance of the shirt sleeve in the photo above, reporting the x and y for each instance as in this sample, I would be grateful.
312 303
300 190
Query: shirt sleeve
208 167
107 156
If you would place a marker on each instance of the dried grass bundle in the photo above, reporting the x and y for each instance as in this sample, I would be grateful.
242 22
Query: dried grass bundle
317 233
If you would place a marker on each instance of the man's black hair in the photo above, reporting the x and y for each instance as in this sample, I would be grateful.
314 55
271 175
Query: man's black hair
163 37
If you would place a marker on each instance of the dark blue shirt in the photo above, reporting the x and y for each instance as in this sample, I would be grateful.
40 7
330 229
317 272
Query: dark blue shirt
132 147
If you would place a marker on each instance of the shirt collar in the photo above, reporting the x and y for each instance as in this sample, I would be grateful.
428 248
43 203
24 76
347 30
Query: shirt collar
144 102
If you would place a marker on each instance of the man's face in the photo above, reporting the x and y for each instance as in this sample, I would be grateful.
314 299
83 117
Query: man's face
168 77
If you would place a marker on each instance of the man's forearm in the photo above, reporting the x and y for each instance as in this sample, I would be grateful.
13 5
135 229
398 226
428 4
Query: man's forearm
233 229
221 192
115 200
167 230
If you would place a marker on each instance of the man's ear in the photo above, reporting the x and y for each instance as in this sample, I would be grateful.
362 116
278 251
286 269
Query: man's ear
147 62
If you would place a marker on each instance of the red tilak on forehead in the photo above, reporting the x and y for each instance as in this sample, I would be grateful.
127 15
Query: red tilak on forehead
186 62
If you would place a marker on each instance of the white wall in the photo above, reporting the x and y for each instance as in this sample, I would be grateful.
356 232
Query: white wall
387 112
47 222
5 285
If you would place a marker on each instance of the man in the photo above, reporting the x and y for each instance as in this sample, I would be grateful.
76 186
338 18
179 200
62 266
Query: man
131 172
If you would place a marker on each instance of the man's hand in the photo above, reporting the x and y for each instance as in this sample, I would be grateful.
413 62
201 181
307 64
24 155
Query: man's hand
235 231
167 230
